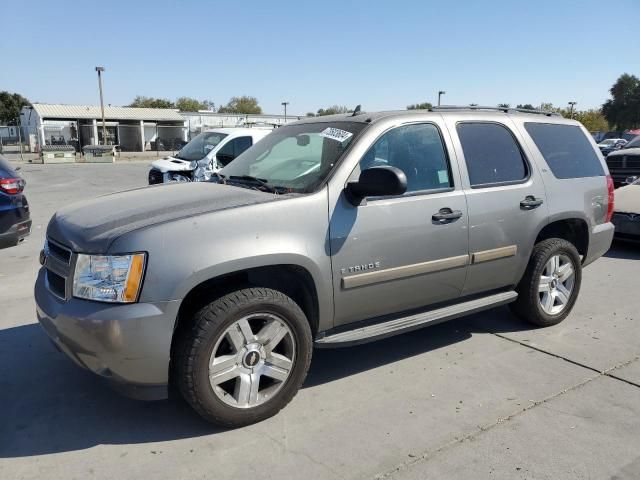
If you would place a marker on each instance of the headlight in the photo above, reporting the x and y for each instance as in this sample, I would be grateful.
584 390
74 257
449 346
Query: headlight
113 278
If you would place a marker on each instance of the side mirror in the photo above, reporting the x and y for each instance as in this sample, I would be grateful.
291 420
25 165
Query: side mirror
377 182
630 180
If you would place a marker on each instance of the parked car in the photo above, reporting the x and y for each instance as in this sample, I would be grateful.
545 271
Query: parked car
625 162
626 216
15 221
207 153
611 144
331 231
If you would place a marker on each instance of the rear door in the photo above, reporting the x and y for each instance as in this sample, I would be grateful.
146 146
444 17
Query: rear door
506 200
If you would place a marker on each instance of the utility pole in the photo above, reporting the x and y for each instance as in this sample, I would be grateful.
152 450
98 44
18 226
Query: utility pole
571 105
440 93
19 137
104 127
284 104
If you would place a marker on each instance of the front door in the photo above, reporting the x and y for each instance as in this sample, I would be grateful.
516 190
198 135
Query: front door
397 253
506 198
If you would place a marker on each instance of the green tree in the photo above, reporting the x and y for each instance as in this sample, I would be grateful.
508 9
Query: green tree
310 114
332 110
504 105
622 110
526 106
10 106
593 119
244 104
419 106
187 104
149 102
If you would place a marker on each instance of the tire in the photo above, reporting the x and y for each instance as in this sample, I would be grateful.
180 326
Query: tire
542 291
218 337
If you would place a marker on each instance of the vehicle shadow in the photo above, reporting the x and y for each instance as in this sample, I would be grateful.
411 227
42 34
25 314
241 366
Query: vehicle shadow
49 405
624 250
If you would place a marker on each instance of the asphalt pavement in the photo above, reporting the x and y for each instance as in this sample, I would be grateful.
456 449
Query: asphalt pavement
485 396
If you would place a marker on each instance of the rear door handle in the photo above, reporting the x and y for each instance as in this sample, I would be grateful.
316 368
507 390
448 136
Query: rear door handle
446 215
530 202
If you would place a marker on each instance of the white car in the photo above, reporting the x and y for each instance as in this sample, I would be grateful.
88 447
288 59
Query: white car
205 154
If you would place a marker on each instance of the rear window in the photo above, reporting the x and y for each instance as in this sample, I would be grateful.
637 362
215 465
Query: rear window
566 150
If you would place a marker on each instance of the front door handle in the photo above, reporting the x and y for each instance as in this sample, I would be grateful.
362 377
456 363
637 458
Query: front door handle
530 202
446 215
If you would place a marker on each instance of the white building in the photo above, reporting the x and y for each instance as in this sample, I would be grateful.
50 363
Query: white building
133 129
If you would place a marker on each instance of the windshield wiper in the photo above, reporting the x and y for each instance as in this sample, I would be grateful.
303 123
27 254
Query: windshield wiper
262 184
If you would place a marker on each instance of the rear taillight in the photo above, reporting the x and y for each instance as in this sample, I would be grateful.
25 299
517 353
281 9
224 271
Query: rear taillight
11 185
611 198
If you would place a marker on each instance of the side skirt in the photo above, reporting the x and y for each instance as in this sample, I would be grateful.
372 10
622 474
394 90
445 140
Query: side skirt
402 324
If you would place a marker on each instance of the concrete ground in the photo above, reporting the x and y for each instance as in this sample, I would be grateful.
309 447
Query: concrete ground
480 397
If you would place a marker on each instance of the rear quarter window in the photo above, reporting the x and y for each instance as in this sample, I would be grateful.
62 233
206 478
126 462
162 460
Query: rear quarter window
566 150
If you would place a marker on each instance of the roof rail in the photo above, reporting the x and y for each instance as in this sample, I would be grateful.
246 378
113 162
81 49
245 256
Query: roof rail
497 109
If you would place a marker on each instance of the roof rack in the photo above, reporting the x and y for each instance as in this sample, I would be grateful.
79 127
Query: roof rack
497 109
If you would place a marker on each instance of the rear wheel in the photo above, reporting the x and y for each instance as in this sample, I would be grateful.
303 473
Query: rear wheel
245 356
550 286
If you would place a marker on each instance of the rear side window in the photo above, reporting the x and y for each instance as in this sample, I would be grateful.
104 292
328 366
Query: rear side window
491 154
566 150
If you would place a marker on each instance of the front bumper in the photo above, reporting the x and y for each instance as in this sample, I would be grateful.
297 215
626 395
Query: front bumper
599 242
627 226
127 344
15 234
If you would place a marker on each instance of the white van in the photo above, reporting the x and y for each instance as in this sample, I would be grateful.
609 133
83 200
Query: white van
205 154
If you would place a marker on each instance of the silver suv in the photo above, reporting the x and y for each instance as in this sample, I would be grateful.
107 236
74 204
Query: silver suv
330 232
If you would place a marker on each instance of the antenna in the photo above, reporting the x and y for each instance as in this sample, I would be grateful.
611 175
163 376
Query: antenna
356 111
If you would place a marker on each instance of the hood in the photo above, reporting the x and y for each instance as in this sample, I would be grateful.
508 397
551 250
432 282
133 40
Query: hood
171 164
91 226
625 151
627 199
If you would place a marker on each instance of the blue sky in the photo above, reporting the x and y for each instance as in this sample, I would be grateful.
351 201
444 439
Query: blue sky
383 55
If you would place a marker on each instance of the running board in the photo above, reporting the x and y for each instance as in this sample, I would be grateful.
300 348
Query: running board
396 326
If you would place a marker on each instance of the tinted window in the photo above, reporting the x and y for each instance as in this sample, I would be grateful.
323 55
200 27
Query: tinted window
6 170
491 154
241 144
233 149
566 150
418 151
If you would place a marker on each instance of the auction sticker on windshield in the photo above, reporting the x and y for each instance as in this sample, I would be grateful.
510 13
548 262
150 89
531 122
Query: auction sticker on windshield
336 134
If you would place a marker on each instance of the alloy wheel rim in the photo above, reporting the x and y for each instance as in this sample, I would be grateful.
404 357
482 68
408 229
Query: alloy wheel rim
556 284
252 360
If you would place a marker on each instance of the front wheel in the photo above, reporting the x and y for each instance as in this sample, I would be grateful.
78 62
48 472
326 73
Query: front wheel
244 357
549 288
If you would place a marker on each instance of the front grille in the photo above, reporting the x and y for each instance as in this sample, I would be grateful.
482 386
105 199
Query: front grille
624 161
58 264
615 162
56 284
60 252
155 176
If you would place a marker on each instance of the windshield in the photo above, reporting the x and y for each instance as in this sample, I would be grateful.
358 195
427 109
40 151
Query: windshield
635 143
609 141
295 158
202 144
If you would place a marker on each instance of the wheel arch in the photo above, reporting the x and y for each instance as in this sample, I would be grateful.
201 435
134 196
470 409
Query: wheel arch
293 280
573 229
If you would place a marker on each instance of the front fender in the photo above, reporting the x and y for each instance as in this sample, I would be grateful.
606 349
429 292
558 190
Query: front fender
184 253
